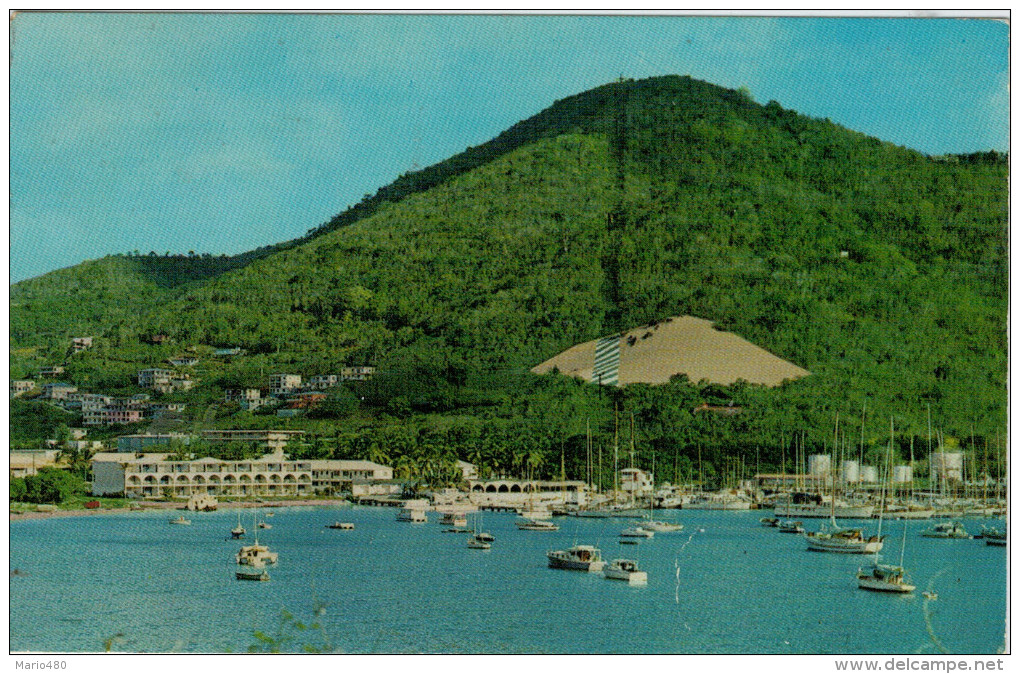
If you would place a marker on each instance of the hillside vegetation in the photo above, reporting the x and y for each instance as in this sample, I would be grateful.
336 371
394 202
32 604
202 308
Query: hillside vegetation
882 271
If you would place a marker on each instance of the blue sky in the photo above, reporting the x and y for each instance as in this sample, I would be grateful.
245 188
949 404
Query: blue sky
222 133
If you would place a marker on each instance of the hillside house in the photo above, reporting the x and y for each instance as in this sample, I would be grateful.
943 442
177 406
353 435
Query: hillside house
321 382
20 387
58 390
51 371
360 373
154 376
282 384
231 351
157 410
242 394
123 415
25 462
143 442
273 440
81 344
183 361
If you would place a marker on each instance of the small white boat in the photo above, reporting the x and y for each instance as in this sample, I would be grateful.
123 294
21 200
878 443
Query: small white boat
636 532
625 569
251 572
993 536
485 537
345 526
883 578
769 521
256 555
791 527
578 558
476 543
238 531
265 525
661 527
412 515
181 520
536 525
847 541
453 520
946 530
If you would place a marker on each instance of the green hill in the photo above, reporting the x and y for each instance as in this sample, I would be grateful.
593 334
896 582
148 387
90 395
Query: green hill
880 270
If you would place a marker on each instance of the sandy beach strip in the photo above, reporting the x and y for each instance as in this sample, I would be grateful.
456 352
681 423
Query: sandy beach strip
163 505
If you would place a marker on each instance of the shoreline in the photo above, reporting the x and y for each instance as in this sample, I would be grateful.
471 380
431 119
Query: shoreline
163 505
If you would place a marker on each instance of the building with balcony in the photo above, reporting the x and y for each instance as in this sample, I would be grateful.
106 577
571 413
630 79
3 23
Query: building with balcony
321 382
20 387
58 390
272 440
282 384
360 373
154 376
145 442
273 475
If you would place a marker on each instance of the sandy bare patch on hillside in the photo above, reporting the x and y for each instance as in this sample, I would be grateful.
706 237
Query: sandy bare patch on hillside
680 345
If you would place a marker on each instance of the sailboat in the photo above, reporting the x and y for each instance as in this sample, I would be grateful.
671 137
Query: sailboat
885 577
238 531
478 540
652 524
838 539
256 555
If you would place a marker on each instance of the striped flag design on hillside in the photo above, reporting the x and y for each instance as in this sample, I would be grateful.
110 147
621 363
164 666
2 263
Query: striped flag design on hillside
607 361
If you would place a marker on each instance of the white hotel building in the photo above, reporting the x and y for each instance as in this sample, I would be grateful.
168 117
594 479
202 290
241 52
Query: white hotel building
155 475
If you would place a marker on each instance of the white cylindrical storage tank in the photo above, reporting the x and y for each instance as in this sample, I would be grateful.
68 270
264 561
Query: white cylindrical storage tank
850 472
949 464
901 474
819 465
869 474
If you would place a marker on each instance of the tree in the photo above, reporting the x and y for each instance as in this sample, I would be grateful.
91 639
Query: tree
52 485
18 489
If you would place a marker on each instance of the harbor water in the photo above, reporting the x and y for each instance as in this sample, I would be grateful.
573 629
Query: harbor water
131 582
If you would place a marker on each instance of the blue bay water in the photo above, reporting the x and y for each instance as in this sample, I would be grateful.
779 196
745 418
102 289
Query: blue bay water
392 587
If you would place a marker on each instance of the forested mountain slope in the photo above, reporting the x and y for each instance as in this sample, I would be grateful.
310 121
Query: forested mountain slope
882 271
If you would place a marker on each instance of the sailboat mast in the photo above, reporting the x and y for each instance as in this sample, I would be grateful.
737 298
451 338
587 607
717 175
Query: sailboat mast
616 449
631 439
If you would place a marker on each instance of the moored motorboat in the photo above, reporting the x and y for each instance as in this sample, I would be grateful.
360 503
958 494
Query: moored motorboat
883 578
946 530
625 569
769 521
849 541
346 526
577 558
536 525
182 520
659 526
637 532
251 572
412 515
993 536
791 527
477 543
453 520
